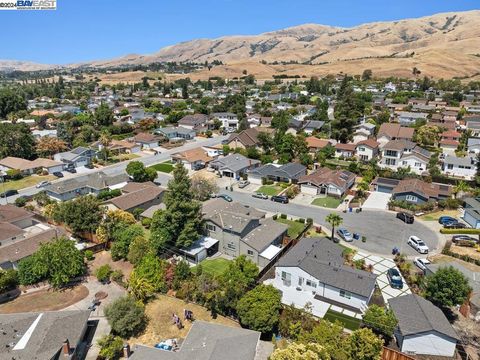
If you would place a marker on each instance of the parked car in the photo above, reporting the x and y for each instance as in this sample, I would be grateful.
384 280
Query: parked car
43 184
394 278
280 198
197 167
462 238
345 234
89 166
8 193
421 263
243 183
446 219
260 195
406 218
418 244
71 170
225 197
58 174
454 225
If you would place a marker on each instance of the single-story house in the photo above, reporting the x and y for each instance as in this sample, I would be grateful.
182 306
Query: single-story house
116 147
363 131
313 271
417 191
193 159
309 126
473 145
247 138
289 173
422 328
44 335
80 156
176 133
206 341
315 144
409 118
194 121
137 196
325 181
146 140
29 167
234 165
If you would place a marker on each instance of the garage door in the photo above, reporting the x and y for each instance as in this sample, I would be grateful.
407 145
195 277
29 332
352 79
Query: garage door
384 189
308 189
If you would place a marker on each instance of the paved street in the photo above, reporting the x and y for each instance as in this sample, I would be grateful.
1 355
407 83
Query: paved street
382 229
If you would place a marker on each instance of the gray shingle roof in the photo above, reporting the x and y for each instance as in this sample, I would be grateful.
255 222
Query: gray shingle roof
234 162
207 341
262 236
323 259
290 171
98 181
417 315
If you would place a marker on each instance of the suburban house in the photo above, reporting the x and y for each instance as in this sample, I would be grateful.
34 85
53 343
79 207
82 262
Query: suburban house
443 121
416 191
406 118
289 173
315 144
345 150
422 328
471 213
49 335
84 185
80 156
449 140
194 159
392 131
146 140
247 138
463 167
213 151
175 134
116 147
197 122
206 341
313 271
473 145
29 167
21 234
266 121
363 132
367 150
403 154
242 230
325 181
234 165
229 120
136 196
309 126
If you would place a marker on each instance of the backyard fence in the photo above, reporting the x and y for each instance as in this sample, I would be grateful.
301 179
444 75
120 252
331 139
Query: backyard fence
390 354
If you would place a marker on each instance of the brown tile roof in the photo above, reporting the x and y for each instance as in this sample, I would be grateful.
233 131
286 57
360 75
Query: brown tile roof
340 178
347 147
137 198
192 155
372 143
249 137
145 137
23 164
314 142
449 142
393 130
428 190
450 134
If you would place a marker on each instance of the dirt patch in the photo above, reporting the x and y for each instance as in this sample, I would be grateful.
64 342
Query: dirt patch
444 259
160 326
45 300
104 257
463 250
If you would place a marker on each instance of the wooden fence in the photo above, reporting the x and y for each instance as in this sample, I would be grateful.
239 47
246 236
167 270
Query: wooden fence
390 354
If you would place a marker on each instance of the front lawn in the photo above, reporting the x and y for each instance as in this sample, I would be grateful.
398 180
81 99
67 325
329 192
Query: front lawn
124 157
214 266
328 202
348 322
294 227
26 182
270 190
165 167
436 215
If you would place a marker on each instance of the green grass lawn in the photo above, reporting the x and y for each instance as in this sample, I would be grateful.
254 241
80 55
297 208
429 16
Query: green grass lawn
294 227
347 321
166 167
435 215
270 190
214 266
28 181
328 202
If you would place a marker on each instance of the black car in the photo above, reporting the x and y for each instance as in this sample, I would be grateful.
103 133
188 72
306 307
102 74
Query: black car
71 170
280 198
8 193
406 218
454 225
394 278
58 174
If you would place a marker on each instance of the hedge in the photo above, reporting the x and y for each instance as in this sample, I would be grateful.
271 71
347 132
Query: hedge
461 231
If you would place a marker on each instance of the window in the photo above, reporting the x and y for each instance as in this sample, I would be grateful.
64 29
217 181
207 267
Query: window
211 227
390 161
250 252
404 162
411 198
391 153
287 278
361 148
231 246
300 281
345 294
417 164
311 284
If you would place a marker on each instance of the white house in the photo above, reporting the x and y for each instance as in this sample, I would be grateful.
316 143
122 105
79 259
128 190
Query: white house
403 154
422 328
229 120
366 150
313 272
459 166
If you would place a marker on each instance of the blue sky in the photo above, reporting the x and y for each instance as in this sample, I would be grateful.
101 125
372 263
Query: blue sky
81 30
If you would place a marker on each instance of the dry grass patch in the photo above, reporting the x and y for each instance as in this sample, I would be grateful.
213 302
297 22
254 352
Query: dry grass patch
104 257
160 326
45 300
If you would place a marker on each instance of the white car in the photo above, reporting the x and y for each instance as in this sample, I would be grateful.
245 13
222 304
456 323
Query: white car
43 184
418 244
421 263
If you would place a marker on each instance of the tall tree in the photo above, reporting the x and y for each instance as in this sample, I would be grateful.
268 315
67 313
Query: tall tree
139 172
48 146
447 287
16 140
103 115
334 220
11 101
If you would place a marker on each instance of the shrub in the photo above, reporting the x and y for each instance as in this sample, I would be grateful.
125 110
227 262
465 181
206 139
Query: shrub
364 238
21 201
14 174
103 273
117 276
274 217
283 216
301 220
88 255
309 221
125 316
110 347
146 222
461 231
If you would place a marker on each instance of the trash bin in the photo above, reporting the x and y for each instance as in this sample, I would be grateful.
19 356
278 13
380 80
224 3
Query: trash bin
350 209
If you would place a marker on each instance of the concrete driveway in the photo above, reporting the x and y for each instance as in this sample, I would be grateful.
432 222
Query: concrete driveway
377 201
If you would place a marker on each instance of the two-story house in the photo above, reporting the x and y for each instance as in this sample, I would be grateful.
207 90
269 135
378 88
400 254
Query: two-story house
392 131
366 150
463 167
80 156
449 141
229 120
313 271
404 154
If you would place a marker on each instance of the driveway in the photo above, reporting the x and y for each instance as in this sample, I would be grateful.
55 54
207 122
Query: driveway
377 201
382 229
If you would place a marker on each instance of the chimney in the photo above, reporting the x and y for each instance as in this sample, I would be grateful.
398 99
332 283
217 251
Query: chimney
66 348
126 351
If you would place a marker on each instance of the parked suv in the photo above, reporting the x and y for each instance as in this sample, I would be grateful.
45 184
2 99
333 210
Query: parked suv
280 198
418 244
406 218
394 278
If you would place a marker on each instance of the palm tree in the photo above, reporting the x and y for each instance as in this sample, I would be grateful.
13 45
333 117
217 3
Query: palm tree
460 189
105 140
334 220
